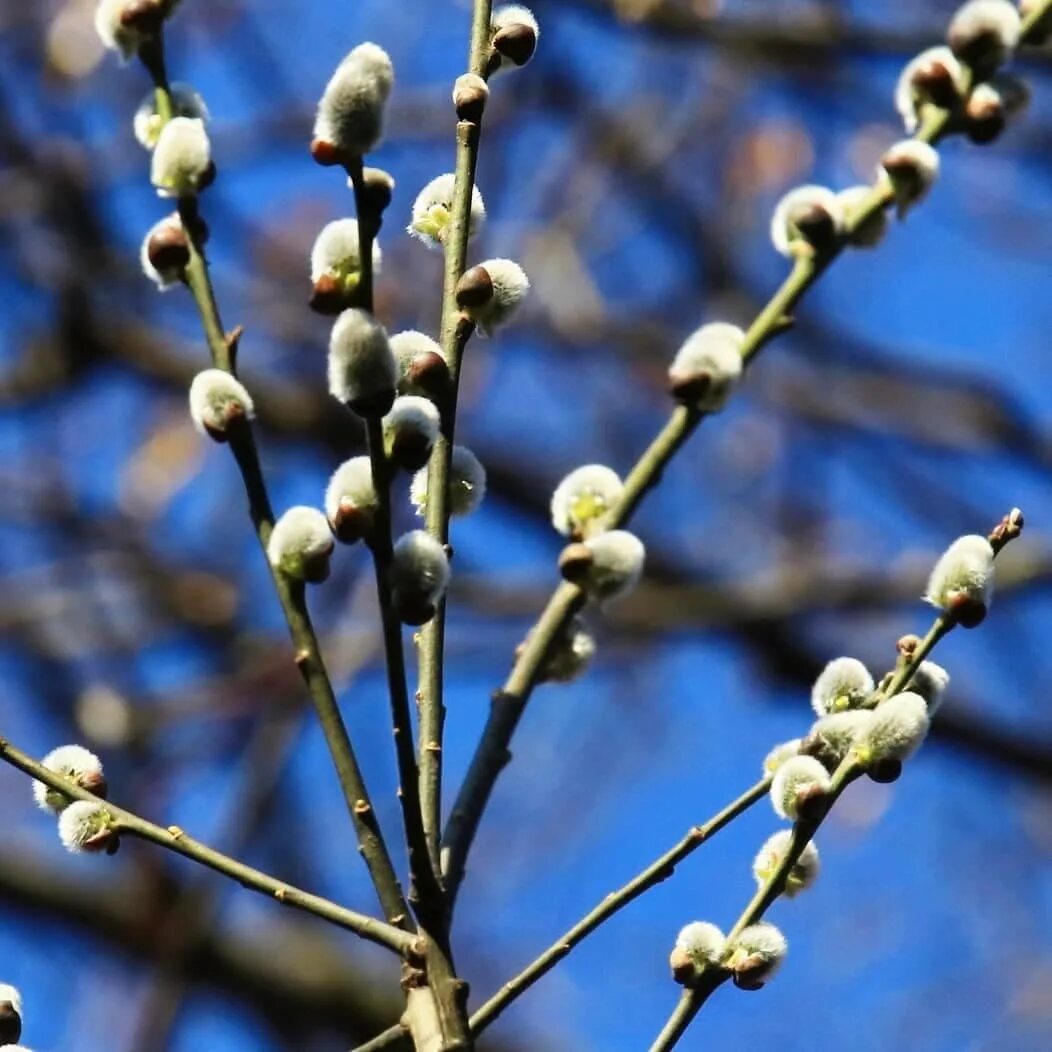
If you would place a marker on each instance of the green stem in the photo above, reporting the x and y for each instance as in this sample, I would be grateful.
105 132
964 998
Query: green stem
174 839
690 1002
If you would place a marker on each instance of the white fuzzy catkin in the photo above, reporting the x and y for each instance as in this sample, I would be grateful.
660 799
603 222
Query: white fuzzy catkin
785 236
362 369
911 167
895 729
81 823
300 544
708 366
336 253
779 754
844 683
930 681
513 15
351 111
467 484
963 576
831 737
985 32
147 123
164 277
616 566
74 762
802 874
433 212
114 34
870 232
182 157
798 776
216 400
410 429
351 500
909 98
419 576
583 497
757 953
702 942
510 287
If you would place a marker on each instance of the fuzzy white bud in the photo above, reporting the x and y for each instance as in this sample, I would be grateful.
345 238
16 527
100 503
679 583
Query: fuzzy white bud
831 737
433 212
798 785
802 874
894 731
756 954
351 500
182 158
410 430
911 167
779 754
164 252
697 945
419 576
930 681
421 363
467 484
583 498
300 544
933 76
351 111
217 402
708 366
362 369
844 683
147 122
336 254
870 232
125 25
79 765
806 219
984 33
514 32
962 581
505 286
85 825
607 565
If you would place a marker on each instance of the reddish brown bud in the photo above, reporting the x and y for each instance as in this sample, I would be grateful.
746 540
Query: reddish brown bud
328 296
816 225
575 561
168 248
884 771
326 153
966 610
10 1024
936 83
517 43
351 523
475 288
682 966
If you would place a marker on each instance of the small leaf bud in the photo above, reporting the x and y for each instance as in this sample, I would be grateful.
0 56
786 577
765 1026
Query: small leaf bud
606 566
583 499
86 825
362 369
707 367
984 33
433 212
147 123
10 1014
802 874
467 484
895 730
300 545
779 754
807 219
800 788
911 166
351 500
419 577
755 955
845 683
515 33
350 115
410 430
934 76
509 286
336 266
698 945
962 581
870 231
80 766
165 252
1008 529
182 159
219 403
422 368
831 737
470 94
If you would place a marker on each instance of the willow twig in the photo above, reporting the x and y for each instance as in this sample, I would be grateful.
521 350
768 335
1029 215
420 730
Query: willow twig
174 839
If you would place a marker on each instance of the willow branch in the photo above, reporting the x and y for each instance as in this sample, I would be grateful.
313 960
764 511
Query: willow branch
291 596
659 870
456 331
174 839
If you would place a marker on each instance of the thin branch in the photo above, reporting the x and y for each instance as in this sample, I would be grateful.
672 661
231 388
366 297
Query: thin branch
659 870
456 331
292 597
690 1002
174 839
